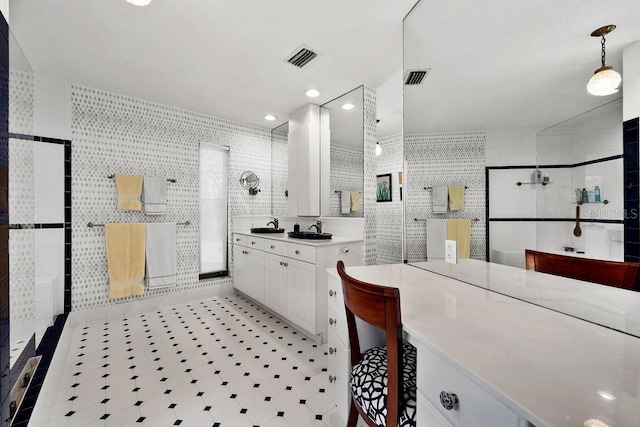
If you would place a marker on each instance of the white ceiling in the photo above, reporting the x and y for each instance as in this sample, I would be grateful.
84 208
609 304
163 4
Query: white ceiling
224 58
495 63
509 64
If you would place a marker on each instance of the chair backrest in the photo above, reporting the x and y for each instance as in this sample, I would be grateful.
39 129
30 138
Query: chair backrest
612 273
379 306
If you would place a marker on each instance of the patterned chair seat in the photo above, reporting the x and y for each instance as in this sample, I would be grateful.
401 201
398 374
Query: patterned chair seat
368 383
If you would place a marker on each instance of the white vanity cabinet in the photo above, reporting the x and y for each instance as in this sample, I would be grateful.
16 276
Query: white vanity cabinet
289 277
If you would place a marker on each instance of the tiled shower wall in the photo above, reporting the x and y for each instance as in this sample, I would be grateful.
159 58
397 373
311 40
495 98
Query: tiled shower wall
389 214
113 133
370 139
347 174
435 159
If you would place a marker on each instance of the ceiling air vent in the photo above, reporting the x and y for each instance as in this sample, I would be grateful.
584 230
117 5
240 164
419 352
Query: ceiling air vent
415 77
301 56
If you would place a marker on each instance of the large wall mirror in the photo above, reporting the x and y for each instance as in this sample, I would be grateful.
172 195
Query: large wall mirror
346 124
504 96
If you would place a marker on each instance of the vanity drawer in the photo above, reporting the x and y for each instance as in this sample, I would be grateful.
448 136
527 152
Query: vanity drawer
338 356
275 247
255 242
427 414
475 406
301 252
338 322
335 291
240 239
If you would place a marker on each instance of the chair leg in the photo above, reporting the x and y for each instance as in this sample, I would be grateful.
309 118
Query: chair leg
353 415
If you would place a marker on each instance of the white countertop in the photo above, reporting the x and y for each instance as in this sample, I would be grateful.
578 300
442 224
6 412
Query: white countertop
335 240
546 366
605 305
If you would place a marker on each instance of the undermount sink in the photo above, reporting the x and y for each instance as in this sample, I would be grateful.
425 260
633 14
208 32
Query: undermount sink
267 230
310 235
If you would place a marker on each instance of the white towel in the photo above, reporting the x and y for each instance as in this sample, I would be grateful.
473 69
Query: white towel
436 237
161 254
154 196
345 202
440 200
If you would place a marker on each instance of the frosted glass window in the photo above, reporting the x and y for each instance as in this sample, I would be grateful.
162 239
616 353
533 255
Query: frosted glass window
214 161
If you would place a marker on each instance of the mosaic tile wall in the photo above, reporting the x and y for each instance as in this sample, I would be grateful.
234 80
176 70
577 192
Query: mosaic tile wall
370 139
117 134
434 159
347 174
22 290
279 173
389 214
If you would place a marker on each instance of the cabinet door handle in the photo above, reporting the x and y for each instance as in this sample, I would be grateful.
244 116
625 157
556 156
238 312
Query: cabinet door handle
332 350
281 263
332 378
286 264
332 321
237 240
253 243
331 293
297 252
273 246
449 400
345 250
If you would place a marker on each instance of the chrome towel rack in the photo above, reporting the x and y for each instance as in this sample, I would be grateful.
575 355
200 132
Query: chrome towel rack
172 180
95 224
424 219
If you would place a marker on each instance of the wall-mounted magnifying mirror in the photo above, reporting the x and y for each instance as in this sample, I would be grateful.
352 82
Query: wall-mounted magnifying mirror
250 181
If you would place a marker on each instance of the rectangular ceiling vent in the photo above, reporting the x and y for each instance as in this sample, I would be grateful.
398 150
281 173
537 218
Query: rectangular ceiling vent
301 56
415 77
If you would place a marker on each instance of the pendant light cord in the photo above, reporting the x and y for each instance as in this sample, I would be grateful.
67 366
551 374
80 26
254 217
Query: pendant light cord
603 54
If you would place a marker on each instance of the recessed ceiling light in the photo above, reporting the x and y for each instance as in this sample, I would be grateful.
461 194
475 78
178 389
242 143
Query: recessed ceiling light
270 117
348 106
139 2
312 93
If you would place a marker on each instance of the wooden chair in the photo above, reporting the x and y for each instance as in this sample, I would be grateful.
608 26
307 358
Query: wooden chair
612 273
393 404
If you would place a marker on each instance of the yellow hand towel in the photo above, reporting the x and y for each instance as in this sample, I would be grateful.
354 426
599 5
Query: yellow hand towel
456 197
125 258
460 231
129 189
355 201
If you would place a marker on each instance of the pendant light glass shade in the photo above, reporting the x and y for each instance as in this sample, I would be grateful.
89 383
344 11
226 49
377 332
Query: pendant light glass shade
605 81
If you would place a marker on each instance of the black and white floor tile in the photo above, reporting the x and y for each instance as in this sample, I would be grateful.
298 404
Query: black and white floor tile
216 362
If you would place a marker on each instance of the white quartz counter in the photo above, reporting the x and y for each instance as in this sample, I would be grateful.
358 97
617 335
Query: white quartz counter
335 240
547 367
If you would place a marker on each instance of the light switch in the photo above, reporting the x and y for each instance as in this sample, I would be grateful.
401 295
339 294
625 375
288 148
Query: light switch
451 251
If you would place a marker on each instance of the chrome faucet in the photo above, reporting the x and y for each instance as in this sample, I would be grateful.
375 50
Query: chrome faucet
274 222
318 226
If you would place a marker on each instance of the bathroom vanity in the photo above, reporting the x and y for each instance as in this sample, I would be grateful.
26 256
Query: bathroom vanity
508 360
289 276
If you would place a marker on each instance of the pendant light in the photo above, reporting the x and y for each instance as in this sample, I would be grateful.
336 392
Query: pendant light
605 80
378 149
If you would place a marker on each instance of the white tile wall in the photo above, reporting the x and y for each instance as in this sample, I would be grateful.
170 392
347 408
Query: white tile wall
631 80
511 147
52 112
49 182
389 214
347 174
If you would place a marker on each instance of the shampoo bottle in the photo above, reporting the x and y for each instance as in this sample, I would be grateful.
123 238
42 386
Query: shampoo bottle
585 196
596 192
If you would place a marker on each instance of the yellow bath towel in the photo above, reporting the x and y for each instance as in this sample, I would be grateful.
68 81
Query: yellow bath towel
355 201
125 258
460 231
456 197
129 189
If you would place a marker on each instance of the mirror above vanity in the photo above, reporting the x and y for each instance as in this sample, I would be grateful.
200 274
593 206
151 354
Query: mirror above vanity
343 118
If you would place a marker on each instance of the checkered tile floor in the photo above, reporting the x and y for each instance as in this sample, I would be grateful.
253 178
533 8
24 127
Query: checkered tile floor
216 362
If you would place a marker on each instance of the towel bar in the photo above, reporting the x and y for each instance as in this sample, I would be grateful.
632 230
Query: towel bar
93 224
113 175
431 188
423 219
340 191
